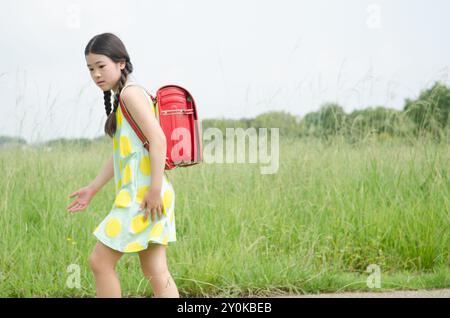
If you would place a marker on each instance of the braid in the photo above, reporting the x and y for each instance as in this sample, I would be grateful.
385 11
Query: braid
110 125
122 81
123 78
107 98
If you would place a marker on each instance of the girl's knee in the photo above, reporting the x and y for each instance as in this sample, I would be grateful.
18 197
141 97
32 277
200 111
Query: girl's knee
98 265
94 262
156 273
103 258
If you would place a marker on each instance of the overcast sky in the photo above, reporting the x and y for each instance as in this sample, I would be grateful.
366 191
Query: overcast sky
237 58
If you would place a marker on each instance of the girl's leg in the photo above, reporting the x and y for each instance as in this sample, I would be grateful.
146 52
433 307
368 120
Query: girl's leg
102 261
154 266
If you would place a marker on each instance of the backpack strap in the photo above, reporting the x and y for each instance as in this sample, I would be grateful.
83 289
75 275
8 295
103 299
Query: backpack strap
132 122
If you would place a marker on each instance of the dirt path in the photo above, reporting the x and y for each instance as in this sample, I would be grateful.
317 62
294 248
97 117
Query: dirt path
433 293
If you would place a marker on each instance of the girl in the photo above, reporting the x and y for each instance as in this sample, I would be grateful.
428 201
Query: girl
139 178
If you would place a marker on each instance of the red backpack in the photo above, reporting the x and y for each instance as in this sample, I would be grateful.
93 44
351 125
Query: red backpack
177 115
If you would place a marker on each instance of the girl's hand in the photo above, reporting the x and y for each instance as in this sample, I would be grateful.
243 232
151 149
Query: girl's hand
152 203
85 195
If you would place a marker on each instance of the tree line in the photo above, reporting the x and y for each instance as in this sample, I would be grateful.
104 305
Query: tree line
429 114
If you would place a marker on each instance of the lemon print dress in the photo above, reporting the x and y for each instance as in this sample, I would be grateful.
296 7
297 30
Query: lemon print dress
124 228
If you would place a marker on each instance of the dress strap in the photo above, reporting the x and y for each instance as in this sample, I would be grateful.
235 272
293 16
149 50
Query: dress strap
130 83
133 83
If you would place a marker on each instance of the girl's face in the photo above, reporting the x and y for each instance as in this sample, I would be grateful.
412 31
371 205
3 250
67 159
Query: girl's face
104 71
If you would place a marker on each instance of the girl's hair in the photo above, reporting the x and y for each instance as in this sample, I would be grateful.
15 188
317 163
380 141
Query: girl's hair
110 45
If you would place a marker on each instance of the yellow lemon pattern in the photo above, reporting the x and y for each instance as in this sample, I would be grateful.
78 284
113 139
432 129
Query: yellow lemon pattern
123 199
156 230
126 174
134 247
145 165
125 146
141 193
115 143
138 224
119 118
167 199
124 228
113 227
165 239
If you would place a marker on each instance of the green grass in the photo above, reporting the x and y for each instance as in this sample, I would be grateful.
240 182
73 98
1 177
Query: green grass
331 210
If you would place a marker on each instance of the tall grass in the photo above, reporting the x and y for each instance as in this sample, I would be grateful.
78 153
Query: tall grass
332 209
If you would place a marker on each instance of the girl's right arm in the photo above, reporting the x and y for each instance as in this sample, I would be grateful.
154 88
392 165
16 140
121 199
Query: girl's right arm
104 176
85 194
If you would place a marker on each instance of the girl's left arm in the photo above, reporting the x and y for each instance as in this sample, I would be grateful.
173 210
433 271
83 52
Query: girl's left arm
139 108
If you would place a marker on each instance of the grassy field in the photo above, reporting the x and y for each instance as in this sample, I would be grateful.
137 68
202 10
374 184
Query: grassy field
330 211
